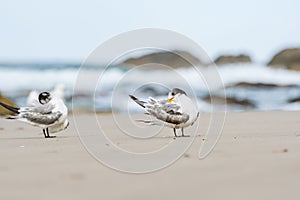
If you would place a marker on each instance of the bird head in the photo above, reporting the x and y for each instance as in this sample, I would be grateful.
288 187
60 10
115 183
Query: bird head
174 94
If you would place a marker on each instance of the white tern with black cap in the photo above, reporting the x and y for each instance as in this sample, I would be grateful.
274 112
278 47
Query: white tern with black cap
48 112
177 111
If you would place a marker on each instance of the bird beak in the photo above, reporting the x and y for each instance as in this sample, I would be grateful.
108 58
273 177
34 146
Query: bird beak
170 99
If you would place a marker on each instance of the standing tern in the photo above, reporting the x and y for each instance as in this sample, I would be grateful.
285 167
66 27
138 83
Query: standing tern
177 111
48 112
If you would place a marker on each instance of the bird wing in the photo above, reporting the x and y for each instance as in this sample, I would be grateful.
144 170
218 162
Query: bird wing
165 111
41 114
40 118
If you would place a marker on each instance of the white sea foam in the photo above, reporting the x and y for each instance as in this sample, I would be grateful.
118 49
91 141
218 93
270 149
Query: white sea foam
254 73
17 82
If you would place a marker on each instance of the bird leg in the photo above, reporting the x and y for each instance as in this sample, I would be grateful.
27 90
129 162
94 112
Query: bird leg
49 136
174 130
46 133
182 134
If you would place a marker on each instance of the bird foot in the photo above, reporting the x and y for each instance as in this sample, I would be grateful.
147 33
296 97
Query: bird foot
185 136
50 136
177 136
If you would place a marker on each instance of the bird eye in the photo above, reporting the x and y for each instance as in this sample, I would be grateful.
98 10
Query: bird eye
172 93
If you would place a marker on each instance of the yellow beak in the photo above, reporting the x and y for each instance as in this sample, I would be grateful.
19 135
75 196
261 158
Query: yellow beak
170 99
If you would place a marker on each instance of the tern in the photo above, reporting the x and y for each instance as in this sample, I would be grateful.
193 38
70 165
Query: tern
177 111
48 112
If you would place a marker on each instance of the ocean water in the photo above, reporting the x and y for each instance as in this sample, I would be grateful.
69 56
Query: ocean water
248 86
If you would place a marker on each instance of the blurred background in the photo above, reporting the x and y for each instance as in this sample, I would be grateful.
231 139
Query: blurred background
255 44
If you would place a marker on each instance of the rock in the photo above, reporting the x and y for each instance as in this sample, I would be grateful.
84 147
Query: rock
243 102
171 59
4 111
270 85
289 58
153 91
229 59
228 100
245 84
294 100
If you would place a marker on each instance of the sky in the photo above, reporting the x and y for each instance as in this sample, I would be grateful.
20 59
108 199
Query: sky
69 30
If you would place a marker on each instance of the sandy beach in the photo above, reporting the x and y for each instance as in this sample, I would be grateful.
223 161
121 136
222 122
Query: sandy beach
257 157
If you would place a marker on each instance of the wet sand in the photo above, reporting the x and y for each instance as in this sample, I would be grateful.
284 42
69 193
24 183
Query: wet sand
257 157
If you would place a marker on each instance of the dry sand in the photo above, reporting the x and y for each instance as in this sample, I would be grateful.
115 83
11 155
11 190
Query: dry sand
257 157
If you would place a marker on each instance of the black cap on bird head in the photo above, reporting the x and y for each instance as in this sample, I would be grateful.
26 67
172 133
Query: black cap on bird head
174 92
44 97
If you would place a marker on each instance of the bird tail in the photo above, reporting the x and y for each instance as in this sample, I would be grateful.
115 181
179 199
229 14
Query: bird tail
149 122
11 108
136 100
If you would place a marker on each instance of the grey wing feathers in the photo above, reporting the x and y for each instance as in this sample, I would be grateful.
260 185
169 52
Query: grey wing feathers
136 100
40 118
39 115
171 108
165 111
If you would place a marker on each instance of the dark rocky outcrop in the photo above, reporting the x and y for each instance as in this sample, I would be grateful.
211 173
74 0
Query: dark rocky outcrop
289 58
268 85
228 100
229 59
294 100
4 111
173 59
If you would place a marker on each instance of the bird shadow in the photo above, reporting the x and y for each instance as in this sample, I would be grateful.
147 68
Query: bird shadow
179 136
23 138
36 138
